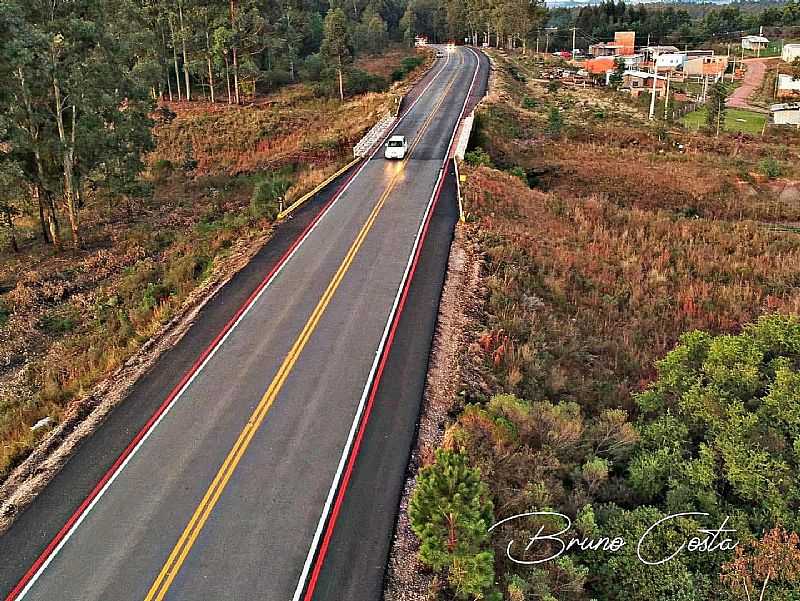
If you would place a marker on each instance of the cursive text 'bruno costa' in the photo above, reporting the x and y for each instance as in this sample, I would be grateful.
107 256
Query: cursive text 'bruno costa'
706 540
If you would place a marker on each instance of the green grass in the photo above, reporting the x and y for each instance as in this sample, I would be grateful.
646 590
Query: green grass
736 120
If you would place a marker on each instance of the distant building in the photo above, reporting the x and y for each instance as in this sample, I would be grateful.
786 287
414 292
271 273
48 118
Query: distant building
650 52
695 53
604 49
787 113
420 41
754 42
623 45
626 41
637 82
600 65
787 87
791 52
670 61
713 66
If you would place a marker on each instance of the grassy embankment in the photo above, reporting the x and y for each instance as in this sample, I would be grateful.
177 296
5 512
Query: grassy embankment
736 120
67 320
605 239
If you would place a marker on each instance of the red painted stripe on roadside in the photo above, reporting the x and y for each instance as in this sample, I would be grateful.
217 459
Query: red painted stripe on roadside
312 583
331 525
173 393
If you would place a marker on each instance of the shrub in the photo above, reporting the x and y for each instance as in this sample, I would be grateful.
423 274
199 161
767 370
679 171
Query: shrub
529 103
520 173
311 70
5 313
58 322
359 82
276 78
555 122
162 168
721 424
770 168
410 63
478 157
268 192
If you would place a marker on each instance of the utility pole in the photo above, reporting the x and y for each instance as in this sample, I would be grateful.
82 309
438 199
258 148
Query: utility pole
666 96
574 30
653 94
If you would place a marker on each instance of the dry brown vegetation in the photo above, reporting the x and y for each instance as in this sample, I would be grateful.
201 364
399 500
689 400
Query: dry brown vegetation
624 236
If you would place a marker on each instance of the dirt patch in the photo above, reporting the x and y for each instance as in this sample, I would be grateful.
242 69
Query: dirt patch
84 416
407 579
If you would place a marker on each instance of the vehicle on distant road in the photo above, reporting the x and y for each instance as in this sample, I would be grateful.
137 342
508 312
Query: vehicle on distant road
396 148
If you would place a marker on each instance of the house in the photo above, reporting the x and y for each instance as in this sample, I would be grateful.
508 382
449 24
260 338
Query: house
637 82
790 53
787 86
604 49
622 45
714 66
600 65
633 61
695 53
787 113
650 52
754 42
671 61
420 41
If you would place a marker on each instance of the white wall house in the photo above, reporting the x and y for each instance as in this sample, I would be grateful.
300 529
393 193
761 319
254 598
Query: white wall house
671 61
787 113
787 86
754 42
790 52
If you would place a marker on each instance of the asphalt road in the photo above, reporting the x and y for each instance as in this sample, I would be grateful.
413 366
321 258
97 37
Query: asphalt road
238 491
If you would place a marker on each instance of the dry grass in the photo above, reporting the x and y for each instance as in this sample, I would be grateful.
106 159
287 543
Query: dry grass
626 241
287 128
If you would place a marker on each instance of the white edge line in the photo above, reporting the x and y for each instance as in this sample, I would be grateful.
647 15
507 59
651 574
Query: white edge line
188 383
301 584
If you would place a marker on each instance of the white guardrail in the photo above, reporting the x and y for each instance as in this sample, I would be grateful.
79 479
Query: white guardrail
377 131
373 135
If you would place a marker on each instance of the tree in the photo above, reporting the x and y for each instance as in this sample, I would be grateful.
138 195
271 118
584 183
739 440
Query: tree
10 194
617 76
336 45
774 560
715 106
78 83
451 513
720 430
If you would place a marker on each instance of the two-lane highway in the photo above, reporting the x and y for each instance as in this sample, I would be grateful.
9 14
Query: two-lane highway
228 490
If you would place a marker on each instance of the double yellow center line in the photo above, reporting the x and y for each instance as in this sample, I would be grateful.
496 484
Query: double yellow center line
170 570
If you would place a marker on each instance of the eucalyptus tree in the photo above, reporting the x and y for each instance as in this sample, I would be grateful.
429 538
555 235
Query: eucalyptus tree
336 45
79 75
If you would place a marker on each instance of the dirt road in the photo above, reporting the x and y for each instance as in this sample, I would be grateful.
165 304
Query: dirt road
756 68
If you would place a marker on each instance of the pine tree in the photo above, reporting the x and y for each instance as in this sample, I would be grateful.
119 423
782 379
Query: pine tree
451 513
715 106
